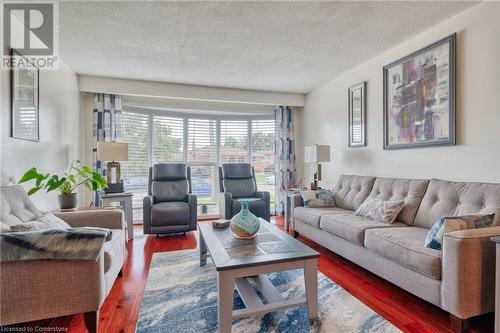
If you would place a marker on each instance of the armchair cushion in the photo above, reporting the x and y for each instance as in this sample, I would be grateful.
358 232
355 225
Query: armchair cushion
170 213
240 188
174 190
169 171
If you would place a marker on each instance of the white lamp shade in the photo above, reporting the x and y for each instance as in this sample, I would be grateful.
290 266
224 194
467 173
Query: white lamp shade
112 151
317 154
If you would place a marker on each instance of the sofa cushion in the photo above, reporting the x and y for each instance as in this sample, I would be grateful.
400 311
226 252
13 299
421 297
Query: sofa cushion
112 248
405 246
444 199
170 213
351 227
312 216
394 189
351 191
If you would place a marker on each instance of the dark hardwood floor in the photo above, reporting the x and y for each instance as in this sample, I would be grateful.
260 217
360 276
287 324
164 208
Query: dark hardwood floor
120 311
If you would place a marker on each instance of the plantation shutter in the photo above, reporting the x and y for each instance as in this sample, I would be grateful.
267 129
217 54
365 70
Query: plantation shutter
135 132
234 141
168 139
202 141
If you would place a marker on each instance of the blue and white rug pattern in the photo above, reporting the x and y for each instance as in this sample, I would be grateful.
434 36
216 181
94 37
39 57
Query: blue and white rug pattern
181 296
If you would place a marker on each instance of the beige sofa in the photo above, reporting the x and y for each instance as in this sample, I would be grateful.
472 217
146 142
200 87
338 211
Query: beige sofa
459 279
39 289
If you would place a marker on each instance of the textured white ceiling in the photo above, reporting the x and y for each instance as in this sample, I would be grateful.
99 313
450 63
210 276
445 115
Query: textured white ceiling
278 46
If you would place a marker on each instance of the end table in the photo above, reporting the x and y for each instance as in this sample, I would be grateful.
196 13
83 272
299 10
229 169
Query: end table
125 199
289 206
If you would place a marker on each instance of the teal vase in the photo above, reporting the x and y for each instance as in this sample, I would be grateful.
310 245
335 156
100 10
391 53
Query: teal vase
245 225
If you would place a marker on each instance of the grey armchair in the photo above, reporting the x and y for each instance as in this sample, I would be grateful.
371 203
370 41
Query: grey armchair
237 181
170 207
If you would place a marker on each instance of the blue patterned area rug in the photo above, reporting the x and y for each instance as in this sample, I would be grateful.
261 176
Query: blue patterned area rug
181 296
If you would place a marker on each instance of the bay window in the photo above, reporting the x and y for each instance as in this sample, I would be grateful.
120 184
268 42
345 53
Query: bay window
203 142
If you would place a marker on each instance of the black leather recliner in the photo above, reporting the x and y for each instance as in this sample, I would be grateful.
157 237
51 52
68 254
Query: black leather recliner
237 181
170 207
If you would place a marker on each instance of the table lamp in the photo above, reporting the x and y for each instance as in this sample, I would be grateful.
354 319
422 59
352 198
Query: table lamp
113 152
317 154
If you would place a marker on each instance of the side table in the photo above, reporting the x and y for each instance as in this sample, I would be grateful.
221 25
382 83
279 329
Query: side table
497 285
289 206
125 199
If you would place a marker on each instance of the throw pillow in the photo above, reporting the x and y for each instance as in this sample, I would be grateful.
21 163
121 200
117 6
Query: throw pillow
444 225
45 222
317 199
51 219
380 211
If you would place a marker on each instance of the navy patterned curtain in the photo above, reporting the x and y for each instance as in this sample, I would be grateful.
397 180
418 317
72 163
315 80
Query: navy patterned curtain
285 155
107 125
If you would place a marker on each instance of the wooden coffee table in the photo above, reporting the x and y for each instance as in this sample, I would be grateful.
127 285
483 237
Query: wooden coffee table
237 261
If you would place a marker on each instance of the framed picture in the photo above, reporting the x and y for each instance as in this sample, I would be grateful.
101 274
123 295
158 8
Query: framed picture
419 98
357 115
24 102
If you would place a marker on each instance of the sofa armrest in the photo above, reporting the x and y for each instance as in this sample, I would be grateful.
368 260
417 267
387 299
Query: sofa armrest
266 197
147 204
102 218
468 276
226 205
39 289
297 200
192 201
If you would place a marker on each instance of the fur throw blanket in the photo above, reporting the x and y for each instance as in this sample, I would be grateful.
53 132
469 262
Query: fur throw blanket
55 244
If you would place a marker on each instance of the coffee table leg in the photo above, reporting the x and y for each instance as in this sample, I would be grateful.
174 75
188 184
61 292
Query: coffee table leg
311 280
203 250
225 288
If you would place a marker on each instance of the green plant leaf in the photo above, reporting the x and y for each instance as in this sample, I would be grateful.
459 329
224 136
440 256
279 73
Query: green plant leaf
55 183
40 179
87 170
33 190
28 175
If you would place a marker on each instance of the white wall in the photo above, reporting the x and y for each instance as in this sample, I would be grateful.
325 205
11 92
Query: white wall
185 91
60 131
476 157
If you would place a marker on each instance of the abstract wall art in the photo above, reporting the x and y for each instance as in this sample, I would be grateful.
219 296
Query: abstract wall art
419 98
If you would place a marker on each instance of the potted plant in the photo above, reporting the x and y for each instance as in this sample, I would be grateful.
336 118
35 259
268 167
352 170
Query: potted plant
76 176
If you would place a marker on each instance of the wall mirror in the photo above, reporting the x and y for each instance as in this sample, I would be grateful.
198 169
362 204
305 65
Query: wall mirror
357 115
24 99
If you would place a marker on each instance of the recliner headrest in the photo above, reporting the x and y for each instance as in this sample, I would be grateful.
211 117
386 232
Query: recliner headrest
169 171
236 170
